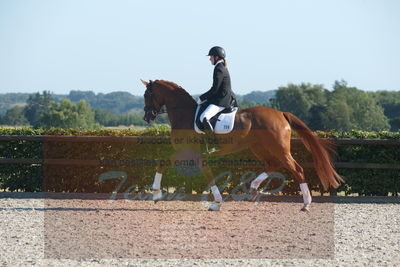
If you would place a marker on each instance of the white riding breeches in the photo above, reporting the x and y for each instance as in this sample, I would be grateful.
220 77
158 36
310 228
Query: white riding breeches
210 111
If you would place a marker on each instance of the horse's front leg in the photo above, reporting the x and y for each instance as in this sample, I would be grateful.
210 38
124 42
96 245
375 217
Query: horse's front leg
156 187
216 205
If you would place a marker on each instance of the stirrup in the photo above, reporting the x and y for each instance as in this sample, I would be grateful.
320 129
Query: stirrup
212 150
209 134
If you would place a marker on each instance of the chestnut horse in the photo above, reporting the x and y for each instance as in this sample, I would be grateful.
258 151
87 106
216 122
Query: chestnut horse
263 130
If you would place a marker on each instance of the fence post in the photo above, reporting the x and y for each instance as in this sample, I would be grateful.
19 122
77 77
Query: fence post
333 192
188 186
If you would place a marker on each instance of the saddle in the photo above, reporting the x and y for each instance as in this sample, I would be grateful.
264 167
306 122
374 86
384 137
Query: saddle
222 122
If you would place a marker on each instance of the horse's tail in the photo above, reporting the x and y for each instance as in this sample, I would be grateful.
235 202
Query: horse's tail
318 149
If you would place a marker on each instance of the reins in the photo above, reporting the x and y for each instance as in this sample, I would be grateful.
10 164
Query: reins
163 109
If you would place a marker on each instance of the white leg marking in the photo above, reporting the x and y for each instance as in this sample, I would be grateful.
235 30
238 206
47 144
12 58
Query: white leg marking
157 181
216 193
306 193
157 193
256 182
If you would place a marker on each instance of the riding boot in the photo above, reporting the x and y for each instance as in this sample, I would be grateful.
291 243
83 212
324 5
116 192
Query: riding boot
211 144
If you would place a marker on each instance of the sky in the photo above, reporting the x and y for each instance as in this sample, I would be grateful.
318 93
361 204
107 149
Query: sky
107 46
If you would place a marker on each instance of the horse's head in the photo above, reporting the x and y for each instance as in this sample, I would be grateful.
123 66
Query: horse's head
153 101
160 93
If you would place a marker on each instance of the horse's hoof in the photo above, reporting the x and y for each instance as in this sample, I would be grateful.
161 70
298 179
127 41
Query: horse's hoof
157 195
306 208
215 206
253 194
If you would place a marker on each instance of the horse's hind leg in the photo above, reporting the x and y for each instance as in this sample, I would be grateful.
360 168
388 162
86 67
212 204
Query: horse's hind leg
265 157
286 161
289 163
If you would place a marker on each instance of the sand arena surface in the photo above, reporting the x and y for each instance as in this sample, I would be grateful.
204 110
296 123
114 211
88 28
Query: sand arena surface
97 232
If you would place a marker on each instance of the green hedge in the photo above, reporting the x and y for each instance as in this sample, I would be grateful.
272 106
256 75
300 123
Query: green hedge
57 178
368 182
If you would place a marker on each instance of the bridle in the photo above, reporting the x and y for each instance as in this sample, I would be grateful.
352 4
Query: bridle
153 100
150 109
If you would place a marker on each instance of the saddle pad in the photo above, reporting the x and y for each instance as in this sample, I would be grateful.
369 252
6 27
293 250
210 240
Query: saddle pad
222 122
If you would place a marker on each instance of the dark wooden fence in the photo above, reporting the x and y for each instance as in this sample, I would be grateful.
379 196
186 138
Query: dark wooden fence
48 139
112 139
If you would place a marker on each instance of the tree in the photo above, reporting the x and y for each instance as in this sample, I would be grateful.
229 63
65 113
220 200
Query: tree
109 118
9 100
395 124
338 116
299 99
117 102
105 117
15 116
68 115
343 109
318 119
350 108
85 116
246 103
258 96
390 102
37 106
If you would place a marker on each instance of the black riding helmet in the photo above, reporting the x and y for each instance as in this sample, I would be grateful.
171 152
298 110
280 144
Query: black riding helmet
217 51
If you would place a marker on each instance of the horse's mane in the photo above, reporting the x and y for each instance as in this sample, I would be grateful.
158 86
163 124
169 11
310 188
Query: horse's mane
176 88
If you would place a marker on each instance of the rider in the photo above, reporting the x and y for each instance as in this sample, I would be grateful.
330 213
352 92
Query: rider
219 97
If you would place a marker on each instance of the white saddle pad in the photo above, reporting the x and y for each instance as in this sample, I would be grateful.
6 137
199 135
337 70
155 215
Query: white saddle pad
224 123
